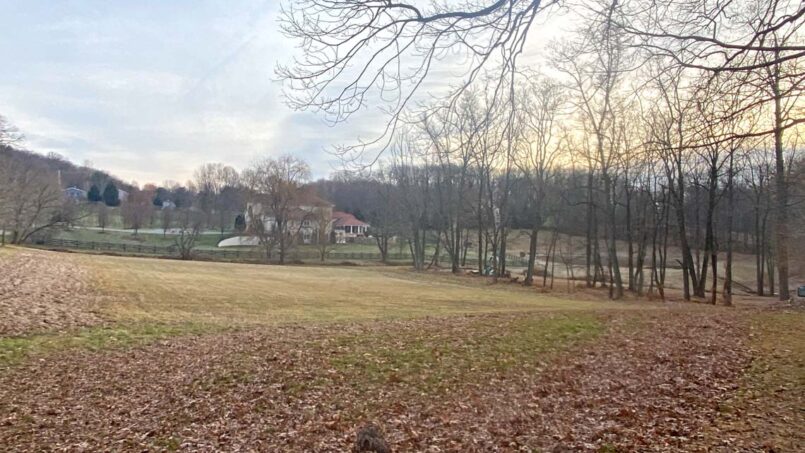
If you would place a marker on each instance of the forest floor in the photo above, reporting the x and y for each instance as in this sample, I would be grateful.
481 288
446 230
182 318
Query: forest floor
132 354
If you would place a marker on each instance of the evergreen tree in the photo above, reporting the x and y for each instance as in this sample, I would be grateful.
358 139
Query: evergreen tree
111 196
240 223
94 194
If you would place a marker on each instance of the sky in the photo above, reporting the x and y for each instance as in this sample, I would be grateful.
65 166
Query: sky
149 90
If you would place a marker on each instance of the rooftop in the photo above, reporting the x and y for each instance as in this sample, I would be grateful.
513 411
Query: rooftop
346 219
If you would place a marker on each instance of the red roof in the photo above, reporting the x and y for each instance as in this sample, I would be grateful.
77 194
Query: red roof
346 219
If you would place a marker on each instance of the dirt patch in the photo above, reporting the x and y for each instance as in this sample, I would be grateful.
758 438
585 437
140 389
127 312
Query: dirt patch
42 291
653 381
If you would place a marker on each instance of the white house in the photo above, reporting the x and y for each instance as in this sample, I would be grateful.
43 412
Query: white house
347 227
306 218
74 193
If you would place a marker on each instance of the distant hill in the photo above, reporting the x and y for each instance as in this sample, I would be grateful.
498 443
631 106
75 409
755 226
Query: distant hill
71 175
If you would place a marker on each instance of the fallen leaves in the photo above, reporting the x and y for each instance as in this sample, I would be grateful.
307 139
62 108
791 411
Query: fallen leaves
651 382
766 411
666 379
41 291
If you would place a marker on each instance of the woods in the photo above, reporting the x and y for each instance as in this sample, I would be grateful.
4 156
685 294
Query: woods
646 126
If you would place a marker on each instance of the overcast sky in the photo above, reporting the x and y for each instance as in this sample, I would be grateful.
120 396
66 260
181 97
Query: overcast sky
149 90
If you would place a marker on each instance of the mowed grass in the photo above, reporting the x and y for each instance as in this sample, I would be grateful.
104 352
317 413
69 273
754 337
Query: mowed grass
222 294
437 358
16 349
205 241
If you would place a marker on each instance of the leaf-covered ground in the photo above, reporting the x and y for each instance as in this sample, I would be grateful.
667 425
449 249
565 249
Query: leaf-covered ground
619 377
767 412
618 382
43 293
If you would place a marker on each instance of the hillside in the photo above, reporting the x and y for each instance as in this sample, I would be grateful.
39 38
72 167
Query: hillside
70 173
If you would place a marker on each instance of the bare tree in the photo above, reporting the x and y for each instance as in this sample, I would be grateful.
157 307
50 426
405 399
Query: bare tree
596 64
137 209
352 50
218 195
717 36
537 151
103 215
9 135
783 82
31 201
452 140
275 186
411 172
167 220
189 231
322 220
670 139
383 214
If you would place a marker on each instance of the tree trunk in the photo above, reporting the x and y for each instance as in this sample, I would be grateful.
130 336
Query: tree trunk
629 238
760 242
532 257
781 199
590 279
714 287
726 296
612 249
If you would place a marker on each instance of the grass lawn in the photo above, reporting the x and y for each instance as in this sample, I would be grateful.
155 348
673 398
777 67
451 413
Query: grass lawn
205 241
114 218
152 290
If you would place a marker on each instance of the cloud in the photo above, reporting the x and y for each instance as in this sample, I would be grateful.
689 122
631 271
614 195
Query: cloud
151 90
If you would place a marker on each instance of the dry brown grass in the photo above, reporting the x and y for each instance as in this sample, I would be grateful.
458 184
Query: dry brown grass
139 289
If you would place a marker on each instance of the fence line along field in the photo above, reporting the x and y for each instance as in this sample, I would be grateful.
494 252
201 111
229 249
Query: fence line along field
189 355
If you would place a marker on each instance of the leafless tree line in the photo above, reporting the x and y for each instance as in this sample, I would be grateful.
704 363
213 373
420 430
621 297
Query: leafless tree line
31 200
666 109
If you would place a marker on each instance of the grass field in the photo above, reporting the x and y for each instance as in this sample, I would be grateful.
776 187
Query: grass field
214 293
142 299
131 354
743 266
205 241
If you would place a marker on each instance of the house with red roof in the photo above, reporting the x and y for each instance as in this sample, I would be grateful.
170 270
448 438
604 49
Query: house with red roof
347 227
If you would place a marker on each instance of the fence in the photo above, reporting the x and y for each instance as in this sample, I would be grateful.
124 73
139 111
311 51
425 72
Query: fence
245 255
